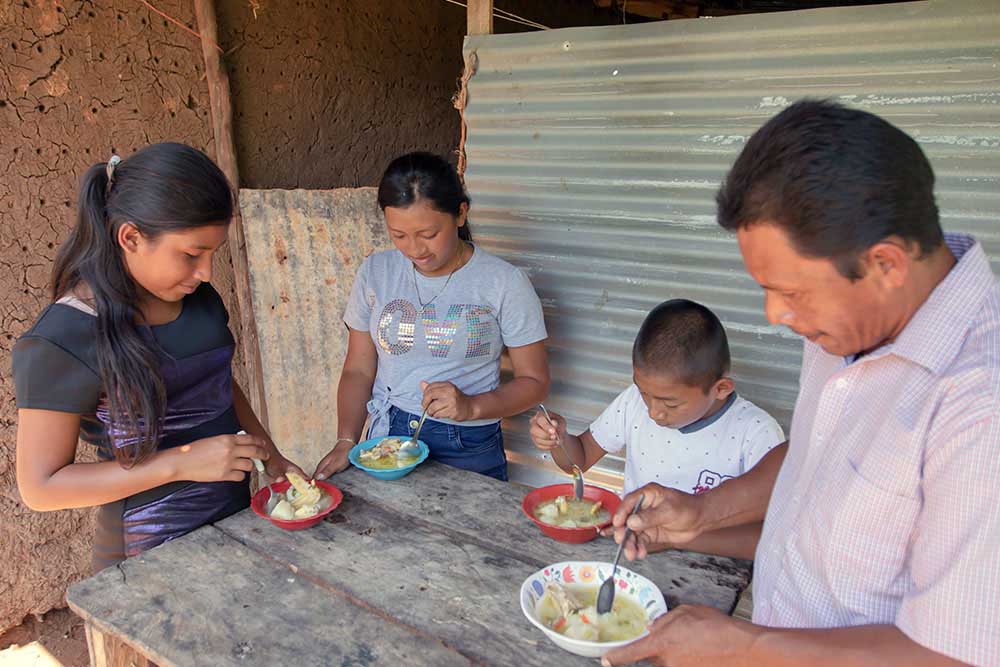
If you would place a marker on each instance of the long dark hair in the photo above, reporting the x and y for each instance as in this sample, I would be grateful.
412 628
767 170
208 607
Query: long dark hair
161 188
415 176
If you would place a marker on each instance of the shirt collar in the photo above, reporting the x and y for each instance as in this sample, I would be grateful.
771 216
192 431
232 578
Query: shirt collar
935 333
705 422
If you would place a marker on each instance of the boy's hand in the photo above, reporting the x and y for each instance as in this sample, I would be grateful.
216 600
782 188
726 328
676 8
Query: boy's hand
544 434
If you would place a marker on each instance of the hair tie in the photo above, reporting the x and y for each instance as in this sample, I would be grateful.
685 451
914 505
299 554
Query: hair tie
112 163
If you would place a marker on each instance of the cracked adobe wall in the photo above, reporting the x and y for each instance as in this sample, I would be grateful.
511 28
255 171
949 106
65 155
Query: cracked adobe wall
78 80
328 93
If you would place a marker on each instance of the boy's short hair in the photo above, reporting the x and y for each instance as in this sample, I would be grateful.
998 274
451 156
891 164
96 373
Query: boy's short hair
685 340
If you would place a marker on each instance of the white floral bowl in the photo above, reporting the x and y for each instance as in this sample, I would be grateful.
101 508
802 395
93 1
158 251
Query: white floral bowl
636 586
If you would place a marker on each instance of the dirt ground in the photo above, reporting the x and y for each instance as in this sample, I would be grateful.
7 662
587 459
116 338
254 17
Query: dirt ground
57 638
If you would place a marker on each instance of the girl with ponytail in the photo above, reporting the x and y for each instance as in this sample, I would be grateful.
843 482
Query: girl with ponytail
134 355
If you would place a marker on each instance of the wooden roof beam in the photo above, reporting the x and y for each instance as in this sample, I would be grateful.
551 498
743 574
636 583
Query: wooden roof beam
480 17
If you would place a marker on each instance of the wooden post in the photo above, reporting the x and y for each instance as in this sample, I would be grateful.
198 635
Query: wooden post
480 17
225 151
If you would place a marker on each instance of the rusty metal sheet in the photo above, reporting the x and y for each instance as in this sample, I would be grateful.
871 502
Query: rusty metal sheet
304 248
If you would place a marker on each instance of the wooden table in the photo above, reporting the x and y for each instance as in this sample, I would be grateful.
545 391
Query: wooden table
421 571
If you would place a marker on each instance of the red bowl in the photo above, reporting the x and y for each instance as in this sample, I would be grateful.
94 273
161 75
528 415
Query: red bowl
259 501
609 500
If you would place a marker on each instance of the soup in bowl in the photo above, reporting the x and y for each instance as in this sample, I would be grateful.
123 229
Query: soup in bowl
559 515
559 600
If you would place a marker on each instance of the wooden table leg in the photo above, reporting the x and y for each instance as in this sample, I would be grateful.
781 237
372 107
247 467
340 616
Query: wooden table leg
108 651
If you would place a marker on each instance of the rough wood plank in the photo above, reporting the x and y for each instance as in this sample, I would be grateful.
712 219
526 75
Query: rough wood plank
389 578
445 584
206 599
744 606
480 17
483 508
225 155
304 248
108 651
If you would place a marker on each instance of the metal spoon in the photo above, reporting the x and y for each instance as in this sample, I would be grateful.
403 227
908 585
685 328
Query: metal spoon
272 499
577 473
606 596
411 447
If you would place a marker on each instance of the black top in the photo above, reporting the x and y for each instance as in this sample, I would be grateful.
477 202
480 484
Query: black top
55 368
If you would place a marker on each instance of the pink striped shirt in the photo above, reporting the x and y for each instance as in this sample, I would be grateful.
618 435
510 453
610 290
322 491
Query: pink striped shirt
887 507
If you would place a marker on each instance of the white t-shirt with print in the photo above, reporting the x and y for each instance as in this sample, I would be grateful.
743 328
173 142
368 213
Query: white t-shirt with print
693 460
440 329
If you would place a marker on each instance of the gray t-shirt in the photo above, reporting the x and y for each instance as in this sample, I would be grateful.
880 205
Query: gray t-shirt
456 336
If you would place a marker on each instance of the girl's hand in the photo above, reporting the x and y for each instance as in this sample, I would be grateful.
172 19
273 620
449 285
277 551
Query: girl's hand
335 461
443 400
222 458
278 466
546 434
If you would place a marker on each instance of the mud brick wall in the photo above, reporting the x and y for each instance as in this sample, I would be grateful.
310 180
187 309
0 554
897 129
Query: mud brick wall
329 92
78 82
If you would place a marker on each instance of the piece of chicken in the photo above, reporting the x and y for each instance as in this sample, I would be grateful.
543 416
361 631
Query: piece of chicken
565 601
306 493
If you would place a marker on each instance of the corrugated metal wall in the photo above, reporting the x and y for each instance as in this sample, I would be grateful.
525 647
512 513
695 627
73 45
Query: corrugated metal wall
594 155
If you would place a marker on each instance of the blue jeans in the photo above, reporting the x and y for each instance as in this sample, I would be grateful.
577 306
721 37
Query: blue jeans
475 448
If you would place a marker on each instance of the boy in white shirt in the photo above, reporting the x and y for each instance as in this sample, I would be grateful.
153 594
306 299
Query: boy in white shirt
680 421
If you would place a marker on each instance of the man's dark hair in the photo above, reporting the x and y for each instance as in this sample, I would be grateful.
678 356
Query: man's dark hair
836 181
685 340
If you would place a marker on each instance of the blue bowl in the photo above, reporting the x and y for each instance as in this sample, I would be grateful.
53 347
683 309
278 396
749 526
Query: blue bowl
387 475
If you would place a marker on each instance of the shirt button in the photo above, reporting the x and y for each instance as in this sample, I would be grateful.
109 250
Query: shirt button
841 383
414 423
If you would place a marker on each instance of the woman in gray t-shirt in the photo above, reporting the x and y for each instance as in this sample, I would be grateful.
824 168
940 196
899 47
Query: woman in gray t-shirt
428 322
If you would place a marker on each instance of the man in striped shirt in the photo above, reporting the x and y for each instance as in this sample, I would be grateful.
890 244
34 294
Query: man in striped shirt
882 529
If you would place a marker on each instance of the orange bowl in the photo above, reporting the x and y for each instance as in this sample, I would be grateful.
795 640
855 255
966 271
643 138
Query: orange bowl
259 501
609 500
